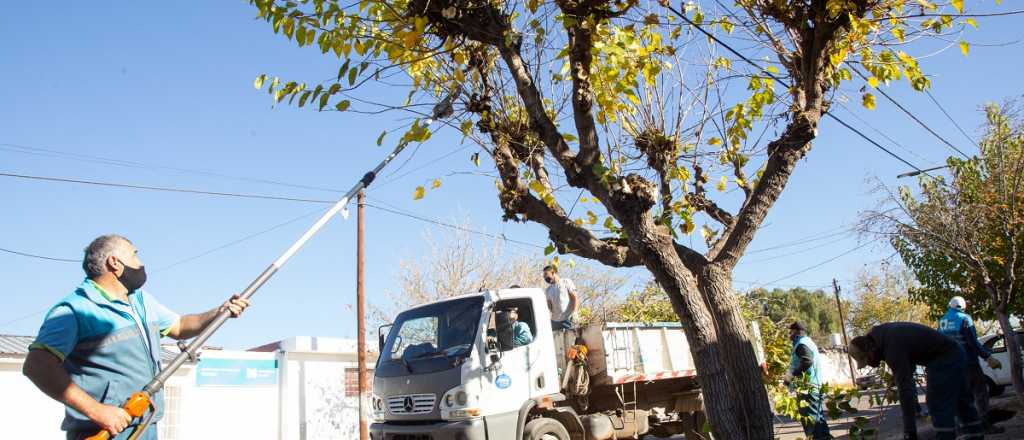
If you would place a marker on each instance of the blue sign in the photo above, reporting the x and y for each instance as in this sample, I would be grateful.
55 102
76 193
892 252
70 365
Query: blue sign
503 381
237 372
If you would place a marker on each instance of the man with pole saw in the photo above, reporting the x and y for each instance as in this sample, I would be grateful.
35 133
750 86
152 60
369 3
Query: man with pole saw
143 404
101 343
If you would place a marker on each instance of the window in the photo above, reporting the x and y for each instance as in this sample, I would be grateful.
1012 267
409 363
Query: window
998 344
352 381
168 426
512 324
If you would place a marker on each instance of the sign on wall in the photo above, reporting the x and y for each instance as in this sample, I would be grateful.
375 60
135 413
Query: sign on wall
236 372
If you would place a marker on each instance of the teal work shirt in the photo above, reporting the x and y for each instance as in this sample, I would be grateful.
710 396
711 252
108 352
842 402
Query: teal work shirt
109 348
521 334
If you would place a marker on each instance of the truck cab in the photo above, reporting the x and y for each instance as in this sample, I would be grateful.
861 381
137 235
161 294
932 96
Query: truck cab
453 369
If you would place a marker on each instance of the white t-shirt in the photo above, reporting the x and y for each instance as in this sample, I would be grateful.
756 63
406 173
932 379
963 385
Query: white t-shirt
558 297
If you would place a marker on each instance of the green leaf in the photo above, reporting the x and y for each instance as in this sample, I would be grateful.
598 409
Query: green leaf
343 105
343 69
380 139
258 84
352 76
550 249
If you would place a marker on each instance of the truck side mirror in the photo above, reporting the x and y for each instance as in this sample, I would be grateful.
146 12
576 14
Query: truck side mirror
381 337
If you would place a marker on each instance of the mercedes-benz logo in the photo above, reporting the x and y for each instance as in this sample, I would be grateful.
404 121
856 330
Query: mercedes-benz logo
407 404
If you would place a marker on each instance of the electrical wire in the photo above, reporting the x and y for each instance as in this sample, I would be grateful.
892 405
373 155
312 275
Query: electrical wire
165 189
49 152
41 257
911 114
817 265
955 124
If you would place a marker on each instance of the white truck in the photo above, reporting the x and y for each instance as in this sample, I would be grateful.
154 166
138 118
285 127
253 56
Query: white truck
457 369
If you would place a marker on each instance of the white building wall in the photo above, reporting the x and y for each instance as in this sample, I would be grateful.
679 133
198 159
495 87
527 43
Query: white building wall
25 412
307 402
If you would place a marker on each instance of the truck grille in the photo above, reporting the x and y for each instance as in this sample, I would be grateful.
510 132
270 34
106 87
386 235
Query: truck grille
411 404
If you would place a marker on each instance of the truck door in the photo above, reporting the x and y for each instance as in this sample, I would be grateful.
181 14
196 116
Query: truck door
512 379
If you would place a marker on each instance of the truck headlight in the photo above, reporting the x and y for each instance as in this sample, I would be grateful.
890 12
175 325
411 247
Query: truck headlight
454 405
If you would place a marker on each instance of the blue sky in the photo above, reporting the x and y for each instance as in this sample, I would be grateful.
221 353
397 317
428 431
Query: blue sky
172 87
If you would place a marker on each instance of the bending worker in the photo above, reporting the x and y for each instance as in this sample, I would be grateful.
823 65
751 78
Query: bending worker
804 363
958 325
101 343
905 345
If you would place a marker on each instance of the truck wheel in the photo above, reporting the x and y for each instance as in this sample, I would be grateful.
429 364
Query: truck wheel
545 429
993 389
693 424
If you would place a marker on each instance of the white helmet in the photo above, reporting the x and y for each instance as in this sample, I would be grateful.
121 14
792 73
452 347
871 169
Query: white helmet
958 303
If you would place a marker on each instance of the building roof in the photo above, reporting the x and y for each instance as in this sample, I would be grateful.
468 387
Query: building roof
13 346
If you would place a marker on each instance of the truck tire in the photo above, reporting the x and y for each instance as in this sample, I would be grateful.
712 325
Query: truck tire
545 429
693 425
993 389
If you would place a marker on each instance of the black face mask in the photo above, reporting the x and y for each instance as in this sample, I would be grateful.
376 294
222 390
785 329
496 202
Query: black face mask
132 278
548 280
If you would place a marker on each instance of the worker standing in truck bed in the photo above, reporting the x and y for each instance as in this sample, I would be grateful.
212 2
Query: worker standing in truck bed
562 299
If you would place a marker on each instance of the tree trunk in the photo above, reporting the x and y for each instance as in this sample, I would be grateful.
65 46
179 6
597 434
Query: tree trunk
732 415
738 355
1013 350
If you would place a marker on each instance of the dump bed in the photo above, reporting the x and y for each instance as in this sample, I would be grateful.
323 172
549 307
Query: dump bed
623 352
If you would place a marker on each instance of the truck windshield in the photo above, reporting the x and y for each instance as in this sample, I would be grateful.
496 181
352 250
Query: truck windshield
444 329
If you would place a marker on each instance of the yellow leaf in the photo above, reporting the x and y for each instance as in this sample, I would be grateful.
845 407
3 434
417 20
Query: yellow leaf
591 218
714 141
419 193
435 184
958 5
868 101
721 183
965 48
688 226
411 39
971 22
537 187
873 82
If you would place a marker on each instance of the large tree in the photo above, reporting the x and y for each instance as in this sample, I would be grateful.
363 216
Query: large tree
632 106
965 235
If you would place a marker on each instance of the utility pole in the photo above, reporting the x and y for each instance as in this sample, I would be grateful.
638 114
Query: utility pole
842 325
360 311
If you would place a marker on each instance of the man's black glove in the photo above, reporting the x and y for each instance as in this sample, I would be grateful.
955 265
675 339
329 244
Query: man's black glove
910 435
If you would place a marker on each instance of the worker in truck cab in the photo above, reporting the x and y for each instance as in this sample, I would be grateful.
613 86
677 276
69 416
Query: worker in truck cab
803 363
562 299
101 343
521 334
957 324
905 345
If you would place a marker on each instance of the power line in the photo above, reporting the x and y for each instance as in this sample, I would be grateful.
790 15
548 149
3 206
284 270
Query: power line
166 189
880 132
455 227
41 257
955 124
910 114
815 266
25 149
801 251
809 239
776 78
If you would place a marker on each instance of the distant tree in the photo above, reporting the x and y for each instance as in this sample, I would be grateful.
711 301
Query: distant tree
649 304
882 294
815 309
459 262
965 236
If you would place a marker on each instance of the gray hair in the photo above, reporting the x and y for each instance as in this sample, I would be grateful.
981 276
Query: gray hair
97 253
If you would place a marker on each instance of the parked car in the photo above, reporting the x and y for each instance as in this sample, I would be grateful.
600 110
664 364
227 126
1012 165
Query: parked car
998 379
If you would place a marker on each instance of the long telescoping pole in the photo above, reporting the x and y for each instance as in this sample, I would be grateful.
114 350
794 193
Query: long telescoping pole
189 351
361 310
